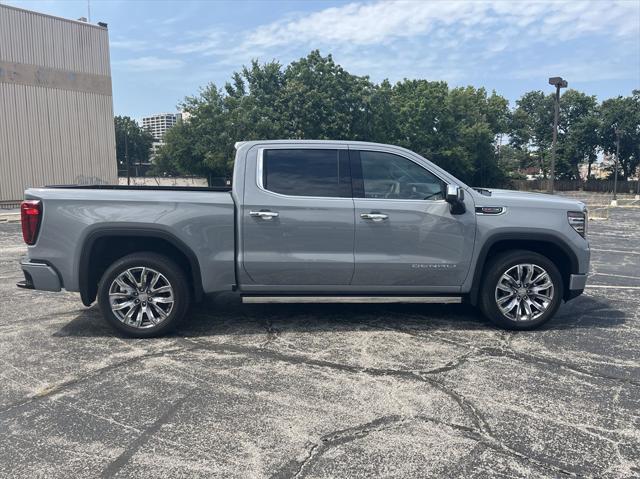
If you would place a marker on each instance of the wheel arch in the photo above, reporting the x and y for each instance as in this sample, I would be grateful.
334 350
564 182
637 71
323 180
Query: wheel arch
546 244
111 243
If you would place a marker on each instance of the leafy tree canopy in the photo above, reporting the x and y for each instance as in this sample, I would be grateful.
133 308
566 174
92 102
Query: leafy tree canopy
133 143
622 114
456 128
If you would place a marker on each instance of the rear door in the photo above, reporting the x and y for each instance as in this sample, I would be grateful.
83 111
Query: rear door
406 234
298 219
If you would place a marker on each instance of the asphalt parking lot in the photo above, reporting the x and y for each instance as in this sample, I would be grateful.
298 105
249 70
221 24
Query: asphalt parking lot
326 390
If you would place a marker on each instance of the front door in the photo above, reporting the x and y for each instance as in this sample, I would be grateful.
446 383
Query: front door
406 234
298 223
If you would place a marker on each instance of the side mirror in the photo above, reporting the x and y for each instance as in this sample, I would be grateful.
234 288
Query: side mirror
455 197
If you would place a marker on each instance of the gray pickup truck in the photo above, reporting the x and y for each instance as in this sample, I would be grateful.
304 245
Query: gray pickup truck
308 221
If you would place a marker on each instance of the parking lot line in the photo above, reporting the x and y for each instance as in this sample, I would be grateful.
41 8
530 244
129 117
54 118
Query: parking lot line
607 286
614 251
615 275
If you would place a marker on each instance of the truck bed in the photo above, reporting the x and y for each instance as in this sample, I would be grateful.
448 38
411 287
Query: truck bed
143 187
202 220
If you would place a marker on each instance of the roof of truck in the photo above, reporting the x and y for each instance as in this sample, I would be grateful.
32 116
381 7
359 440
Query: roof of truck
243 146
240 144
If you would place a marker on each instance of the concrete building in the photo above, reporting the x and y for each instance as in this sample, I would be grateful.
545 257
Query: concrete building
158 125
56 106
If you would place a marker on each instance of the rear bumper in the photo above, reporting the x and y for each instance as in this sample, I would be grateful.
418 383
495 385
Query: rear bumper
39 276
577 283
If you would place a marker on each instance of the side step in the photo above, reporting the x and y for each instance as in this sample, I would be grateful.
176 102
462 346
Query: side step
352 299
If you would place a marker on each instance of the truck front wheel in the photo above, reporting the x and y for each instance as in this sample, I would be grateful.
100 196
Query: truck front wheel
521 290
144 294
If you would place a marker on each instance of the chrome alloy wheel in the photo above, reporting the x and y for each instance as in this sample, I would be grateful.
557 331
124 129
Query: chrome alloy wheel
141 297
524 292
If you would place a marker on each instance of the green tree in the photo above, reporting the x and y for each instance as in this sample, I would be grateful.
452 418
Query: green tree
478 120
578 139
315 98
133 144
252 102
531 130
382 122
245 109
512 161
622 113
456 129
531 126
321 100
199 145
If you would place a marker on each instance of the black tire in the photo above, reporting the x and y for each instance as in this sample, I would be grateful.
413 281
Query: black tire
170 273
499 266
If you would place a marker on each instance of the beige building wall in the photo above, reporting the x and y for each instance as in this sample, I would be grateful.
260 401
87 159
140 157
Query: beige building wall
56 105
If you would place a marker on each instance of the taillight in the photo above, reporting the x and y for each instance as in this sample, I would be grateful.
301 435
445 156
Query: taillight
31 214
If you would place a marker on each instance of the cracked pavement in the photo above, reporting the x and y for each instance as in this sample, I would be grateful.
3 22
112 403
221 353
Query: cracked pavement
322 391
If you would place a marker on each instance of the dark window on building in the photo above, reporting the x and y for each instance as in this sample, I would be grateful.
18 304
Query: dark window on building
311 172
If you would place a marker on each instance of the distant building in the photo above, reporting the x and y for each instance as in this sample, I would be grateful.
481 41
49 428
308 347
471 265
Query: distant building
600 170
158 125
56 105
531 173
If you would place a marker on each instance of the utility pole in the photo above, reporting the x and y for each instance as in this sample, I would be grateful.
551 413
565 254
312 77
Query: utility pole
558 82
614 202
126 154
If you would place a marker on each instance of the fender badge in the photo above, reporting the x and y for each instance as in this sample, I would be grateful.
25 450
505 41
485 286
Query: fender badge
489 210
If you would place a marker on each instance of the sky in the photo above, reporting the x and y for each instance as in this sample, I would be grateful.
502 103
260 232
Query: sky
162 50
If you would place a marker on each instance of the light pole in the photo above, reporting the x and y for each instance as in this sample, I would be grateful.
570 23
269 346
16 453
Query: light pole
614 202
558 82
126 153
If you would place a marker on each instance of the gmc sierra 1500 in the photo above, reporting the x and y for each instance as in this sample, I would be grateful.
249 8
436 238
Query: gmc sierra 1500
308 221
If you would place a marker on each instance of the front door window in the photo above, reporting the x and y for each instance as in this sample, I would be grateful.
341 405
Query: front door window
389 176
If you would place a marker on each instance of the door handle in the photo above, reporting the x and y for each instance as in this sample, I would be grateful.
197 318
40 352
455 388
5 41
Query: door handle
374 216
265 215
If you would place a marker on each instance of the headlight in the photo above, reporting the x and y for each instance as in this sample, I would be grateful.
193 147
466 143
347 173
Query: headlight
578 221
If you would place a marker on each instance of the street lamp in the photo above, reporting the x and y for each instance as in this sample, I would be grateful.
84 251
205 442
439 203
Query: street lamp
126 153
558 82
614 202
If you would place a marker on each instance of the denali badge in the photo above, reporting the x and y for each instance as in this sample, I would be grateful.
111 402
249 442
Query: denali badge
433 266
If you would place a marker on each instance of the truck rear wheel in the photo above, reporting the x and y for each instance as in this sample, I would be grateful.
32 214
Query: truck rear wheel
144 294
521 290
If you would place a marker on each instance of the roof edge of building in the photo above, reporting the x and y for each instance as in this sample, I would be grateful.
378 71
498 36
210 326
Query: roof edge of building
55 17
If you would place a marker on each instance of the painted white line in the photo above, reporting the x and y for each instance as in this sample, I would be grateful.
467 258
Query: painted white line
614 251
16 276
14 249
603 286
611 235
615 275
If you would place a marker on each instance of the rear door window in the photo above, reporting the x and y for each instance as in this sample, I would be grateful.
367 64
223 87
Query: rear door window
307 172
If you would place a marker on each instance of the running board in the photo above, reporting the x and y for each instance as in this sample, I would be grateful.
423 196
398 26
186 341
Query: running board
352 299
